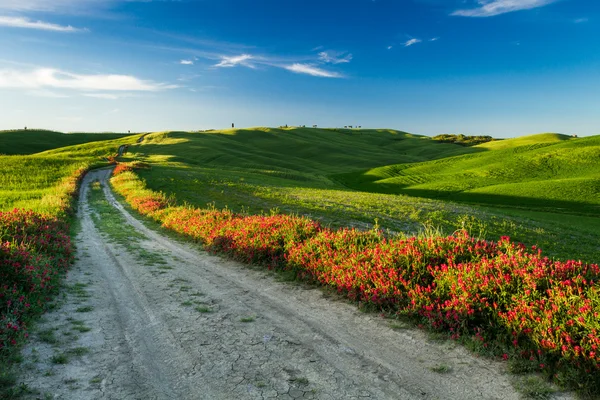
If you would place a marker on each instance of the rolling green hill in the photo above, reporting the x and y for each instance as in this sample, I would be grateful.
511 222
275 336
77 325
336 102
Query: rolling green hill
304 150
32 181
34 141
354 178
549 172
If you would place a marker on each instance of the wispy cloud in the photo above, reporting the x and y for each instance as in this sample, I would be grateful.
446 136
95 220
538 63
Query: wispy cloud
335 57
20 22
233 61
411 42
490 8
581 20
309 69
186 62
49 5
40 78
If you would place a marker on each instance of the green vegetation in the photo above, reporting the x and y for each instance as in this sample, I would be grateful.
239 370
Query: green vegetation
43 182
32 141
60 358
441 369
520 187
561 176
203 309
463 140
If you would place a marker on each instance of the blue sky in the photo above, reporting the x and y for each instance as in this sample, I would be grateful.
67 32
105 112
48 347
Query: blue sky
500 67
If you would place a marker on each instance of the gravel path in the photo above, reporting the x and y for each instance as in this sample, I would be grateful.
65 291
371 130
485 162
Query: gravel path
194 326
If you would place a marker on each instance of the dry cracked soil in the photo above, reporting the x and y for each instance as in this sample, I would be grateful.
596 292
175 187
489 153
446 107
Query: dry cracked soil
155 318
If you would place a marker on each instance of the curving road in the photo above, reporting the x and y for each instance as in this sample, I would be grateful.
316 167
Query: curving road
168 321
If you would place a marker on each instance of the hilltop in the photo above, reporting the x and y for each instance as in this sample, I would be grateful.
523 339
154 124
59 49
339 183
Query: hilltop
31 141
547 171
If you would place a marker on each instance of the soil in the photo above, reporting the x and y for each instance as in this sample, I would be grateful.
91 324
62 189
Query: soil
195 326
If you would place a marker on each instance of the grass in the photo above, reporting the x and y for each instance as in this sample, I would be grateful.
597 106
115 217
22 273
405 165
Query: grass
489 189
558 176
78 351
85 309
203 309
248 319
32 141
441 369
48 336
39 181
534 387
60 358
112 223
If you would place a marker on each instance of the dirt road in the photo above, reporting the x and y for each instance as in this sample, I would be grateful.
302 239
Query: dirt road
152 318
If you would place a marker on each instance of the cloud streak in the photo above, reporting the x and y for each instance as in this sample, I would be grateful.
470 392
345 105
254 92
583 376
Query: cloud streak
228 62
411 42
50 5
490 8
335 57
44 78
309 69
20 22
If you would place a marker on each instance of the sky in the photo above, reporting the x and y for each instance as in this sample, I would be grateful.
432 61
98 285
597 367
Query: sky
504 68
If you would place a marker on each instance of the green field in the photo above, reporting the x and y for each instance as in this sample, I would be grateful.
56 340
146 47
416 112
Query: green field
552 173
33 141
37 181
541 189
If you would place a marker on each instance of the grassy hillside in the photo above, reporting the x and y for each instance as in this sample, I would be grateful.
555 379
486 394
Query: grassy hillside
539 139
297 171
35 141
36 181
542 172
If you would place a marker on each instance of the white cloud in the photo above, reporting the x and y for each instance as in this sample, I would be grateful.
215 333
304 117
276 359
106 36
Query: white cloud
311 70
49 5
19 22
490 8
186 62
335 57
581 20
435 39
235 60
57 79
410 42
390 47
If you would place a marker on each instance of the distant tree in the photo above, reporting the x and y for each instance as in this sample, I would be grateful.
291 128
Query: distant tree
463 140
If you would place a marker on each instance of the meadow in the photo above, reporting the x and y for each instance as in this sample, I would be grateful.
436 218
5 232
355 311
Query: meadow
31 141
321 174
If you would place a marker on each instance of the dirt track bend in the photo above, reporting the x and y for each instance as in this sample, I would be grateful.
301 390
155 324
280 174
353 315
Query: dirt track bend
145 344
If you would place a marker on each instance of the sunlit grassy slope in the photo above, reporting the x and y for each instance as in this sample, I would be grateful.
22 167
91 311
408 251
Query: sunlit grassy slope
34 141
33 181
553 173
299 170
